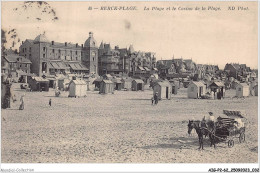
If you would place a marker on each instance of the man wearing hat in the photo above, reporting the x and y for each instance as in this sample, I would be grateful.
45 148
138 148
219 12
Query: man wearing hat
209 117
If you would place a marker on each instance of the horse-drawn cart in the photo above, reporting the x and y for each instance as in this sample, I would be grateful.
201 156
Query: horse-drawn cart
228 129
222 130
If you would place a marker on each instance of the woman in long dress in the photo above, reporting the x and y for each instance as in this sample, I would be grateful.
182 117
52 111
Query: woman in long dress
22 102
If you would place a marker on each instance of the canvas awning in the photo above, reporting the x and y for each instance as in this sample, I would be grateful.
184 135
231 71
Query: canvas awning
57 65
77 66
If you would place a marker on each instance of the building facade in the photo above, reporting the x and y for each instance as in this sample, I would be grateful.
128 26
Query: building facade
49 58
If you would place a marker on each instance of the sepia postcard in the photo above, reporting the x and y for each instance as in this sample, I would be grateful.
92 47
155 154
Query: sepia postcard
147 86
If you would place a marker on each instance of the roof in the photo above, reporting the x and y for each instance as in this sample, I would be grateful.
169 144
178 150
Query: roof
236 66
41 38
141 68
163 83
147 69
219 84
90 42
17 58
197 83
127 79
243 84
107 81
138 80
117 80
40 79
78 82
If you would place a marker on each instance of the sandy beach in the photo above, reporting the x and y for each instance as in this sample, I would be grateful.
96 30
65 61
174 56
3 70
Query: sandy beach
119 128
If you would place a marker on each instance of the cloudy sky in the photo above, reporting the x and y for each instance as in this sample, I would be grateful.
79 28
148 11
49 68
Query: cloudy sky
209 37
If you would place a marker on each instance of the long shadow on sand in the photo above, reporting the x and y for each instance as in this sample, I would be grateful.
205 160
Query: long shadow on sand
179 143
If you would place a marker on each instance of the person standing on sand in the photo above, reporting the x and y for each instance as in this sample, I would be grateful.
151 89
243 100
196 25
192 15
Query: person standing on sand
22 102
50 102
152 99
156 98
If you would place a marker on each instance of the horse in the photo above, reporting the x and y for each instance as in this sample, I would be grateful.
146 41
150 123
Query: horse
203 128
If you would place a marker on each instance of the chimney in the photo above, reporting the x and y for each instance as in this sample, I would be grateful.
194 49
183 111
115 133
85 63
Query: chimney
65 43
116 47
22 42
76 44
52 42
82 45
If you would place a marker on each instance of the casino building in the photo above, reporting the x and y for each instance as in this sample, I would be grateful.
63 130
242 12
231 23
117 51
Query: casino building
50 57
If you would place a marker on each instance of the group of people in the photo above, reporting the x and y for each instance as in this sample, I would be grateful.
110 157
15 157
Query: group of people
155 99
8 94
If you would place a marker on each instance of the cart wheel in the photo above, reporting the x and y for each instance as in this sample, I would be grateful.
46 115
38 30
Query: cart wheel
242 137
230 143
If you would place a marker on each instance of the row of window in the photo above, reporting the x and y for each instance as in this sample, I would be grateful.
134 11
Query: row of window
13 65
53 51
44 56
24 49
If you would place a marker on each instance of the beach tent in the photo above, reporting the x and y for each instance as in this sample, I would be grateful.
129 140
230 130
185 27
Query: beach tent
38 83
127 83
117 83
242 90
219 88
106 86
137 84
196 89
164 90
77 88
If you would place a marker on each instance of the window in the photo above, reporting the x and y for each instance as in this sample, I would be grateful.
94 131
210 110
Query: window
93 59
25 49
192 88
20 65
59 50
76 58
25 65
239 89
30 49
43 55
76 52
52 50
65 58
44 49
